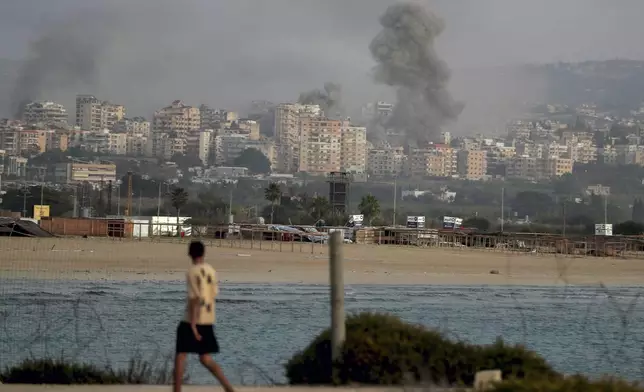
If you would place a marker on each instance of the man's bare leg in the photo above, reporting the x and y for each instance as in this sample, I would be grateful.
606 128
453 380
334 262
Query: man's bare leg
216 371
179 369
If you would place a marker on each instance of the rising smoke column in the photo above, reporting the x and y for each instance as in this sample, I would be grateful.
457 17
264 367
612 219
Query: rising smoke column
64 58
329 100
407 60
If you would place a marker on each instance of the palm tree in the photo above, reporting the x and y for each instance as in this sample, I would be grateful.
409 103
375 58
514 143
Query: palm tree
178 199
369 207
319 207
273 193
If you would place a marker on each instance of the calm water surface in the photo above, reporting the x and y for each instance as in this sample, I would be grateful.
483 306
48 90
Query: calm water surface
578 329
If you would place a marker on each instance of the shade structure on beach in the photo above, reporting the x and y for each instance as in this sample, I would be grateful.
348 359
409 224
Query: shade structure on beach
12 227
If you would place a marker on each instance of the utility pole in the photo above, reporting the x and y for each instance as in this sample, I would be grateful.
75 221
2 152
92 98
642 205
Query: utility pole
337 294
159 200
502 207
139 213
42 197
25 192
75 201
118 200
230 204
395 199
605 208
564 218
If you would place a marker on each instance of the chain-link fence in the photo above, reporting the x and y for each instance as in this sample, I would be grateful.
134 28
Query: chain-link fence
119 293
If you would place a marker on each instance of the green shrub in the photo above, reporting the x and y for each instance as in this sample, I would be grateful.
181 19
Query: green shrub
59 371
382 349
49 371
570 384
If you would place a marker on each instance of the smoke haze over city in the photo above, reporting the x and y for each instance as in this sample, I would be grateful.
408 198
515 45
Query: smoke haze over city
227 53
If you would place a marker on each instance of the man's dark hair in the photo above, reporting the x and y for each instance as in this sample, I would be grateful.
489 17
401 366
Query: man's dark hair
196 249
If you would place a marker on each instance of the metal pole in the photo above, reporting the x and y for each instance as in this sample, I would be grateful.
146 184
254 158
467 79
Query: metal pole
395 199
24 201
118 200
159 200
139 212
42 197
605 208
337 294
502 207
564 218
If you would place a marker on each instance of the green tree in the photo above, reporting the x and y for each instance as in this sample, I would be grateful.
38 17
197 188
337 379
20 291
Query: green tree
272 193
369 207
638 211
178 199
254 160
478 223
532 203
319 207
629 228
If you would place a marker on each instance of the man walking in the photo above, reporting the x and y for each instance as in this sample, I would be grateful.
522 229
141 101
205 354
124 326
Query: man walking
196 332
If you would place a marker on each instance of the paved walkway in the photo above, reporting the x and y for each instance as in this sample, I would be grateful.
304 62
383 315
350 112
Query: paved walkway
190 388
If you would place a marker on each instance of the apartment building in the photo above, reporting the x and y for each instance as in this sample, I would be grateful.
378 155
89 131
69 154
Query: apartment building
178 118
211 118
16 166
93 173
287 132
320 148
228 147
57 140
249 127
472 164
386 162
557 167
137 145
427 163
199 142
166 145
450 158
535 169
44 112
353 149
133 126
93 114
32 142
9 136
117 143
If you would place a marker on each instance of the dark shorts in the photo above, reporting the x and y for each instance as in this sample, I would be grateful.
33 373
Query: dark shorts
186 342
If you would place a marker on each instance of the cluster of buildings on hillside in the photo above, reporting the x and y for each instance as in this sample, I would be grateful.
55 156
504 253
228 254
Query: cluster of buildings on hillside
302 138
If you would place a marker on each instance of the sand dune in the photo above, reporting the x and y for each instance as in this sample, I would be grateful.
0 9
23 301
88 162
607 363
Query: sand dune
67 258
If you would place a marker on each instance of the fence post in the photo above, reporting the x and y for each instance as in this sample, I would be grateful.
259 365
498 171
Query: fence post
337 294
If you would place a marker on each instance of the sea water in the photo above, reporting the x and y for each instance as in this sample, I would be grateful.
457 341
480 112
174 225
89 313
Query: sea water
589 330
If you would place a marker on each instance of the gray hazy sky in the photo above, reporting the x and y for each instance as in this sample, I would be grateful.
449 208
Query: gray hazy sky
228 52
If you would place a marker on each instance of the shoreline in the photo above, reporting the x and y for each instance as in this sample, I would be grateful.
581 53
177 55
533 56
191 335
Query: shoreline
96 260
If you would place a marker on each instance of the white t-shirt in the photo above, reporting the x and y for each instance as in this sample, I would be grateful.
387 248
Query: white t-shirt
202 284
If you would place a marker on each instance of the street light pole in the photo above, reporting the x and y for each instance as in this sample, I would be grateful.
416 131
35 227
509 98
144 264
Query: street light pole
502 207
395 199
159 200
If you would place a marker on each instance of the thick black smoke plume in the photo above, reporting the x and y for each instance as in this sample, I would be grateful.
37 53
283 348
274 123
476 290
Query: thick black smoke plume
330 100
63 59
406 58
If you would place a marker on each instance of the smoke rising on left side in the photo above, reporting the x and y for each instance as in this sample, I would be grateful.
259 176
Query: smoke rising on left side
63 60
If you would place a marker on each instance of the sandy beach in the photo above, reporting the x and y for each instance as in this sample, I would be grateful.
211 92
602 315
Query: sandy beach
95 259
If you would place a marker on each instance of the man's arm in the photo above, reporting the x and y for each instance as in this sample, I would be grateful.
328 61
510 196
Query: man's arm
194 302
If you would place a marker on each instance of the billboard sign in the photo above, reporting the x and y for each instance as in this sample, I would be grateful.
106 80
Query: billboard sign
416 222
40 211
451 222
604 229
